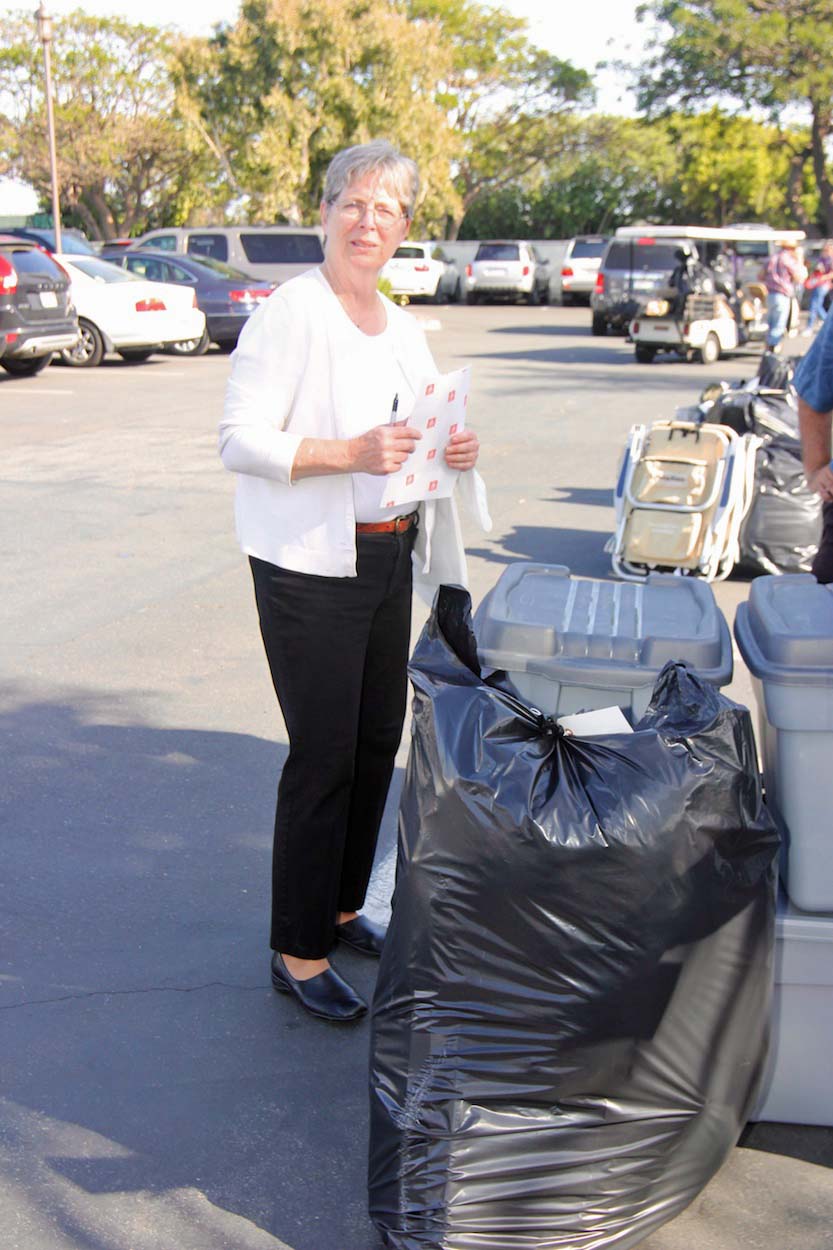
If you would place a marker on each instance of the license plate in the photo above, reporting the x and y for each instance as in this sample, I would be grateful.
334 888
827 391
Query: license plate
661 328
47 299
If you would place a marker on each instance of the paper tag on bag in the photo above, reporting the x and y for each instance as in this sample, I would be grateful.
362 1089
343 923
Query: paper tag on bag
602 720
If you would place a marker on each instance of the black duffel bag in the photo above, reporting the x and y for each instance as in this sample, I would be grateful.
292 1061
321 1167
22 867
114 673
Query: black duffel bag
571 1013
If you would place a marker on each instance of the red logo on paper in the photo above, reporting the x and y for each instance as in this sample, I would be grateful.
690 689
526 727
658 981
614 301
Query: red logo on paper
409 479
453 429
432 421
432 453
451 395
429 390
433 485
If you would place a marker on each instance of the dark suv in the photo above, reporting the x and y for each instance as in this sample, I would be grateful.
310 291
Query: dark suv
37 316
630 271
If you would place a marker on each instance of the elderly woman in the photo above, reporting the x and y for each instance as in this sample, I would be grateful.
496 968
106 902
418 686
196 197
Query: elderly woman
308 429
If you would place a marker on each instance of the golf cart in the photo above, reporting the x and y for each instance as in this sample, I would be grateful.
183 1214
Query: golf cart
709 307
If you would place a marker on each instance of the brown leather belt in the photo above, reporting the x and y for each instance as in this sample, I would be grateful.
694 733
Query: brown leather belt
397 526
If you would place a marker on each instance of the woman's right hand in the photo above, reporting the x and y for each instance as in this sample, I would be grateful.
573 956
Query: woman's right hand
382 450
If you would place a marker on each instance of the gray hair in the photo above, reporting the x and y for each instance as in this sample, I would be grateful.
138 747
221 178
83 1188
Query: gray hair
398 172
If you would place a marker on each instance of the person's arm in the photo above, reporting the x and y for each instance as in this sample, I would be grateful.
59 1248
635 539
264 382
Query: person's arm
815 448
381 450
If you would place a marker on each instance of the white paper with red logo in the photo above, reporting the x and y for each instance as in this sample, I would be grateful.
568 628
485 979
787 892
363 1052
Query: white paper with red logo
439 412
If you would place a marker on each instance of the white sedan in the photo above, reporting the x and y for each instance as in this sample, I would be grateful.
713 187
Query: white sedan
423 270
120 312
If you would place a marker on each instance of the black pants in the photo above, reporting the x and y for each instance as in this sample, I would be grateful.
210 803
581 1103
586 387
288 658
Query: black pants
338 651
823 563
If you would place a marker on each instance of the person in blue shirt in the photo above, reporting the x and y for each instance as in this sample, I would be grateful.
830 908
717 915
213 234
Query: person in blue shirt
814 384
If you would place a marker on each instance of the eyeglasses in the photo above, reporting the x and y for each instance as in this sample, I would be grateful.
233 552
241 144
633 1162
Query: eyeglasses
355 210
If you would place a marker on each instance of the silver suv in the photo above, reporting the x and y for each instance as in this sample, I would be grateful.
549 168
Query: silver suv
512 269
275 253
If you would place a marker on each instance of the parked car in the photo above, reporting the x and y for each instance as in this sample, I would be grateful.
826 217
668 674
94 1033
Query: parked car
112 247
37 316
630 270
73 242
423 271
271 253
226 296
507 269
118 312
579 266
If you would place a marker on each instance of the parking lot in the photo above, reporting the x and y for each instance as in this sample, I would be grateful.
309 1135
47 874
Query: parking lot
158 1095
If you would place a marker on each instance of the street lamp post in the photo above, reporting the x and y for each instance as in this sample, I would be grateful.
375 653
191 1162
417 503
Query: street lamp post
45 36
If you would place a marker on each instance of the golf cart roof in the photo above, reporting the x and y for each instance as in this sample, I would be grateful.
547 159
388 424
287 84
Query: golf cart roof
707 234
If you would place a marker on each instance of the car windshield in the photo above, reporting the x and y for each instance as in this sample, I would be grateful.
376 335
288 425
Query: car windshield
642 255
409 253
754 248
282 249
101 270
498 251
582 249
70 243
219 267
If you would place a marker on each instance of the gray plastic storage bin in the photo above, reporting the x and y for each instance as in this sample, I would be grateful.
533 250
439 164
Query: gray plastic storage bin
798 1085
571 645
785 635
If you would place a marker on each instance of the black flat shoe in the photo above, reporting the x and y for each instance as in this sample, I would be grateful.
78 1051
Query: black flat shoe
327 996
362 935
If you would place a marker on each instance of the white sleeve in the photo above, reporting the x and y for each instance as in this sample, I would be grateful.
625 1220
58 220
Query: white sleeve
267 366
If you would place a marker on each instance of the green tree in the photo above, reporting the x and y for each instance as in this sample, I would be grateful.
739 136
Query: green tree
126 158
279 92
607 172
770 55
505 99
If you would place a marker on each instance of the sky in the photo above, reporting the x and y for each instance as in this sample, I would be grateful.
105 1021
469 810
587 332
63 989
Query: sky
585 33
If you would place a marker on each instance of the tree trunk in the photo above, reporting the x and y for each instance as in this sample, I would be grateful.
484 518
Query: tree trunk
795 179
820 133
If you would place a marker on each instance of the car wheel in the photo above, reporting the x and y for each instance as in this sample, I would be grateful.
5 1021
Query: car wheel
567 300
88 351
26 368
190 347
472 298
644 354
710 351
135 355
227 346
534 297
599 325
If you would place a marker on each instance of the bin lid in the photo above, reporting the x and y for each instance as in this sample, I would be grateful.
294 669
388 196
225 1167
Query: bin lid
539 618
787 627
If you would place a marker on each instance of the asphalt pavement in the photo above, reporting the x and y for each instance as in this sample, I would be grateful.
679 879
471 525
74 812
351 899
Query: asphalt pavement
157 1095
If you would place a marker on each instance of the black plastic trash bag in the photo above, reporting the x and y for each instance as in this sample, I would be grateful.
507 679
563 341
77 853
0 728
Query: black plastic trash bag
571 1012
780 533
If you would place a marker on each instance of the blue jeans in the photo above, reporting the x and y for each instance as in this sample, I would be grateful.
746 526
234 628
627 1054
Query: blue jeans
778 314
818 312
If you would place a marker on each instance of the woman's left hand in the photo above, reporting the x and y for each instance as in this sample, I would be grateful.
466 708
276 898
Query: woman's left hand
462 450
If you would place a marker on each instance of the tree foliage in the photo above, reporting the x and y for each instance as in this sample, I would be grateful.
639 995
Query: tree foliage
125 157
505 99
280 91
765 55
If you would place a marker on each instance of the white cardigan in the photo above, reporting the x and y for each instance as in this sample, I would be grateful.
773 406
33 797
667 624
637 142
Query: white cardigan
294 358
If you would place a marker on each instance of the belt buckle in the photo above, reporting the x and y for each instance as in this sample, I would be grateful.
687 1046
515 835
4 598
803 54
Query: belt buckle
402 523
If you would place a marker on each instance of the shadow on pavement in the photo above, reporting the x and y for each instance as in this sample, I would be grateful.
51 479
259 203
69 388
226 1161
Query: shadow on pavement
147 1058
581 550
